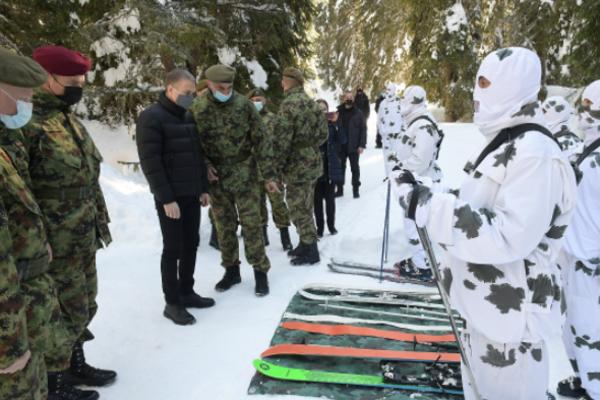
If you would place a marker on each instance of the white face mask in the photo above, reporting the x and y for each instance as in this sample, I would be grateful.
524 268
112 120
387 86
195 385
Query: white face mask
21 118
515 75
413 100
589 120
557 112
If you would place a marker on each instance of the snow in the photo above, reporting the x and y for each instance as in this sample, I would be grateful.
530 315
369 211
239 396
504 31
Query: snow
157 360
257 73
455 17
228 55
128 21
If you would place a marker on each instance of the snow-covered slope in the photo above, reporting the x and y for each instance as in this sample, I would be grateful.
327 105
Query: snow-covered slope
157 360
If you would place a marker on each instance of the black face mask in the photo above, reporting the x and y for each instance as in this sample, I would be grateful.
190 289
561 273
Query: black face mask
348 103
73 95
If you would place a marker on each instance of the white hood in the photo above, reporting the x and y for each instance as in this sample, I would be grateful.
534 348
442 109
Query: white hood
515 74
413 102
557 112
589 122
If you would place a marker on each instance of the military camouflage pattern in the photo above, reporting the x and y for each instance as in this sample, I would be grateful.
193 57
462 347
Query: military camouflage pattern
301 129
261 385
31 383
64 168
235 142
301 200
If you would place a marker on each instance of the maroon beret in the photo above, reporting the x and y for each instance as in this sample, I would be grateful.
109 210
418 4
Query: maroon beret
62 61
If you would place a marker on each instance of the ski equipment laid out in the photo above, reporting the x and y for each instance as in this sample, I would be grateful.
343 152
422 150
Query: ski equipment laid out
350 330
302 375
380 275
422 315
352 352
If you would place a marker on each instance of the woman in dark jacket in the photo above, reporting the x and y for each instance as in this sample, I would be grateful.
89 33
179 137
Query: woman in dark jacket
170 157
332 174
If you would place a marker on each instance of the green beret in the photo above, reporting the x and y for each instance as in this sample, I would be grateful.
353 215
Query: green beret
20 71
256 93
294 73
220 73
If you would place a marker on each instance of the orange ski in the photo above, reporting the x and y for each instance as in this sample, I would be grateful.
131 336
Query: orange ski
350 330
352 352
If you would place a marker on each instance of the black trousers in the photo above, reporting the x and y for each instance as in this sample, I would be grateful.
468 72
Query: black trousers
180 244
378 141
354 166
325 191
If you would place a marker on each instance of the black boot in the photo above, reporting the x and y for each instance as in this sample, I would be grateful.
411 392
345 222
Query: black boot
231 277
58 389
355 192
320 232
286 242
340 191
265 235
178 314
194 300
262 283
571 387
214 241
81 373
296 252
308 256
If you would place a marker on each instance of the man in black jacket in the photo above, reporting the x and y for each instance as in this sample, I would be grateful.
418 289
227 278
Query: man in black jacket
353 128
175 170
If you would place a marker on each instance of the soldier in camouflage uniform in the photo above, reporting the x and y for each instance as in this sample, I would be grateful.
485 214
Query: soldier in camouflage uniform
234 141
28 302
501 235
64 168
301 129
281 214
557 113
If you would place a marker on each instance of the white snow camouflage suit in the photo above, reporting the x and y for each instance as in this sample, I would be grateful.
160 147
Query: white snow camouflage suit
557 113
502 236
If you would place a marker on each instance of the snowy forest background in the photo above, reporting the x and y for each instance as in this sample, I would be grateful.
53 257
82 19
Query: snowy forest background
436 43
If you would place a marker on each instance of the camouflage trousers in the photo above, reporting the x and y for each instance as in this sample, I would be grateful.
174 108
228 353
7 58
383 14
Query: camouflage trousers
281 214
77 286
300 200
581 333
227 206
515 371
43 317
417 253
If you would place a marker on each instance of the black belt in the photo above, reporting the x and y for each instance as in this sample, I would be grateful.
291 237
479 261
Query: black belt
76 193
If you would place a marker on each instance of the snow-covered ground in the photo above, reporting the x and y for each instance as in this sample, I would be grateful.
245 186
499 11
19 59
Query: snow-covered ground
157 360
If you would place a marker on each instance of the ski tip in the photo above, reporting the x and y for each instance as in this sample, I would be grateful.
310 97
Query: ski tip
261 365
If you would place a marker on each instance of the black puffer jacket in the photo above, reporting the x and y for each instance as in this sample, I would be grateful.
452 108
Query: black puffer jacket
169 152
352 127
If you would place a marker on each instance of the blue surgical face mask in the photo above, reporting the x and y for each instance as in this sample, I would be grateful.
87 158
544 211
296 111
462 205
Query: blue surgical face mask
21 118
222 97
259 105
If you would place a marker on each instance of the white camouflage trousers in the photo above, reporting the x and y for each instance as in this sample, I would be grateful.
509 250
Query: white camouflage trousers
417 253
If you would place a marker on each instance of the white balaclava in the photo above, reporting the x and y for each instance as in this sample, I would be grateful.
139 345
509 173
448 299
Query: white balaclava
414 101
557 112
515 74
589 120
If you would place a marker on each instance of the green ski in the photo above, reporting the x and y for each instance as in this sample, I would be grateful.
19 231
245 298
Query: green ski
302 375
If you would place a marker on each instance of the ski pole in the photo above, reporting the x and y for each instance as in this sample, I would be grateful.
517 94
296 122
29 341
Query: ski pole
385 232
426 243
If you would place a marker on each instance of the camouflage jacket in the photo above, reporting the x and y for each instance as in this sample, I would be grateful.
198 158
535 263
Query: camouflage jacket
301 129
24 214
13 329
234 140
502 235
64 168
570 143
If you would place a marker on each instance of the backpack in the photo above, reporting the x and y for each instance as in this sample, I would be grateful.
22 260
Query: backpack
435 126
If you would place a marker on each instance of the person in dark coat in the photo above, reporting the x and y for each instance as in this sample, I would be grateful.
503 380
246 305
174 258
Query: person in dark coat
378 140
353 130
362 103
332 175
174 167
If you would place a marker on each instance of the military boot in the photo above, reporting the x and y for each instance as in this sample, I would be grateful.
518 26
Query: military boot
286 242
178 314
231 277
308 256
81 373
571 387
58 389
296 252
262 283
265 235
214 241
194 300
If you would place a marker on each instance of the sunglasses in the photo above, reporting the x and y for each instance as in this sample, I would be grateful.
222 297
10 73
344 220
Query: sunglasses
593 113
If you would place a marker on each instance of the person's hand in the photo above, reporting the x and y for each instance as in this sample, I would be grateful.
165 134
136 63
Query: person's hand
272 187
205 199
360 150
17 365
50 254
172 210
212 174
406 187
